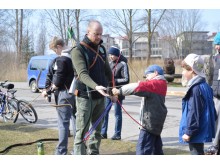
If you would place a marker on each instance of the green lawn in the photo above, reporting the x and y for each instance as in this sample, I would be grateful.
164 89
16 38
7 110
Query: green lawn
25 133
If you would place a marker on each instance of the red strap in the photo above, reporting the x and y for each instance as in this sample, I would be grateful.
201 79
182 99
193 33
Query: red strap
113 74
96 52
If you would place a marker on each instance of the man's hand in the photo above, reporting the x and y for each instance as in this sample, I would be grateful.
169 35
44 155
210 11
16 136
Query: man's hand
115 91
186 138
53 87
101 89
44 93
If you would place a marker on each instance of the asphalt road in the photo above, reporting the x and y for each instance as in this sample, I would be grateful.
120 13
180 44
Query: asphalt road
47 117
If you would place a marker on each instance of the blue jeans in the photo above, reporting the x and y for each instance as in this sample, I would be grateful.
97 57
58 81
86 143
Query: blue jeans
65 113
118 118
149 144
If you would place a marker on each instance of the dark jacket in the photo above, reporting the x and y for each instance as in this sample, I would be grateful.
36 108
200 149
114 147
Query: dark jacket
64 73
50 74
87 75
49 79
198 113
120 71
153 110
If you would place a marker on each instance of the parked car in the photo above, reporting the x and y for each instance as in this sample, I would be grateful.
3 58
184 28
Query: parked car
35 65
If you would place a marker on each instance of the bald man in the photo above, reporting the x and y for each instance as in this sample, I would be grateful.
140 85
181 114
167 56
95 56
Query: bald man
93 74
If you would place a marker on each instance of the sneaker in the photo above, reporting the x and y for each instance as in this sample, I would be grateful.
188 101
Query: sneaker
104 136
116 137
212 150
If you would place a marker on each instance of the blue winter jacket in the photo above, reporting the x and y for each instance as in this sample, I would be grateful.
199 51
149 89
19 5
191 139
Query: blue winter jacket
198 113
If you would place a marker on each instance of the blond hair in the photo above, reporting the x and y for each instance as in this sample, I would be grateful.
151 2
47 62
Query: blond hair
186 66
56 41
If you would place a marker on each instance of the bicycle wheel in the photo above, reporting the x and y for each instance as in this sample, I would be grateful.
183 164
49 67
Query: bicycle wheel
11 110
27 111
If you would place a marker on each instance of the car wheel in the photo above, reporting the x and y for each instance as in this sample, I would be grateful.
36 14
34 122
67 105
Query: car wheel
33 86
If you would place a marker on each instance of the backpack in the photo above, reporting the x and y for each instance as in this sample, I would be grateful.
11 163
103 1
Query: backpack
208 68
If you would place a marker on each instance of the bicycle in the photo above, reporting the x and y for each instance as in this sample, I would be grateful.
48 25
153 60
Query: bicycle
8 105
24 108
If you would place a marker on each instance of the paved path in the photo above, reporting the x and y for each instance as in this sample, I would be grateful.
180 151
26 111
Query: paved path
48 117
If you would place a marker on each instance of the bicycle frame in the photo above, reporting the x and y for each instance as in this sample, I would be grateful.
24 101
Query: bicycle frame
2 102
8 103
15 106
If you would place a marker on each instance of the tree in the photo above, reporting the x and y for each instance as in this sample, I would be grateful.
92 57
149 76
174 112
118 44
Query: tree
152 20
124 23
27 47
41 45
15 25
176 22
61 19
4 42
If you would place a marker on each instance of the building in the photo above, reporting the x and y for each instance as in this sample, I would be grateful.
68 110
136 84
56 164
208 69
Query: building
122 43
108 41
194 42
167 50
197 42
140 47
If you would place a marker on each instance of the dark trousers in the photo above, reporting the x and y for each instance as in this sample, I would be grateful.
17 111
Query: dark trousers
196 148
218 153
149 144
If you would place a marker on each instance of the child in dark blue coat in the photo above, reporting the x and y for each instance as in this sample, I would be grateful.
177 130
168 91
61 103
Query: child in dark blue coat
197 124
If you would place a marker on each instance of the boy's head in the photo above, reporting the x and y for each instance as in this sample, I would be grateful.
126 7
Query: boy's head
114 53
153 71
192 65
57 44
217 42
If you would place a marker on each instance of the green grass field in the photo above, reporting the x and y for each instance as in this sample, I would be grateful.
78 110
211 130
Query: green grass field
25 133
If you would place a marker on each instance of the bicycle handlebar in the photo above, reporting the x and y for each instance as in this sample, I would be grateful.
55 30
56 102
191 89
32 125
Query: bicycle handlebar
2 83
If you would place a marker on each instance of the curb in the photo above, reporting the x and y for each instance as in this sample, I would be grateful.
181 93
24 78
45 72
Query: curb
175 93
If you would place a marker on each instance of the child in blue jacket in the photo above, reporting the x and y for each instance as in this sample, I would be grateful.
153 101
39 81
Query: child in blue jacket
197 124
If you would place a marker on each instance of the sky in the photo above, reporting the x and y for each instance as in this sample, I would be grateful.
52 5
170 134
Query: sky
212 17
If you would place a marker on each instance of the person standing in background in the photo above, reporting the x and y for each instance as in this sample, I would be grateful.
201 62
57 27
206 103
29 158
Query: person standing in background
120 72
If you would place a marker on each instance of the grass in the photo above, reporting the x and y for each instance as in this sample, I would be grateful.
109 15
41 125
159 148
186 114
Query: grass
136 70
24 133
